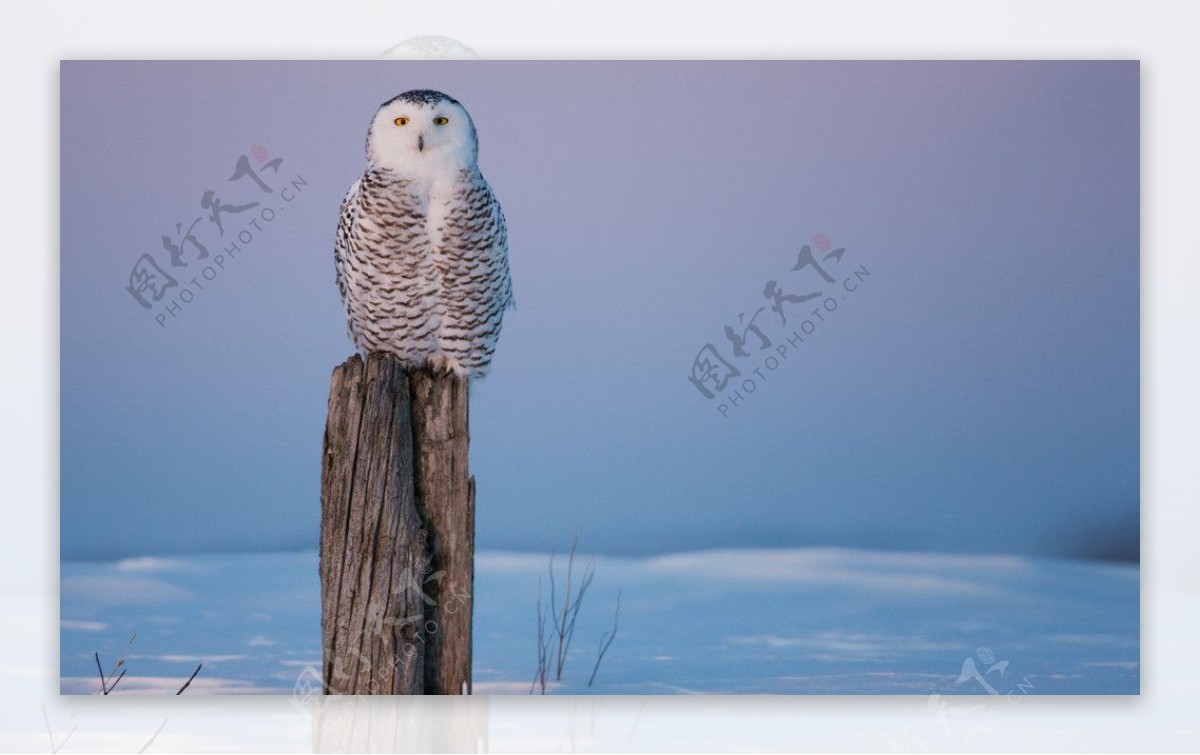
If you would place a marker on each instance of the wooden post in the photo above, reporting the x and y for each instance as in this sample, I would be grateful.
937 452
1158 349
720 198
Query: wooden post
343 724
446 497
397 532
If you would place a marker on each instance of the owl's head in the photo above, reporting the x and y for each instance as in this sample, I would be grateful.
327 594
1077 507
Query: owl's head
422 130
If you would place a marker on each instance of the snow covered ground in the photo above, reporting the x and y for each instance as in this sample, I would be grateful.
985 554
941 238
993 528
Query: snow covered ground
815 621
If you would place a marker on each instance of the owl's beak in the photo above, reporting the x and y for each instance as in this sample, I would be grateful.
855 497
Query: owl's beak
420 142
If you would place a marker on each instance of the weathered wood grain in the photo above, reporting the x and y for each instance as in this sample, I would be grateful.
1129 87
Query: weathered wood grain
446 500
397 532
372 540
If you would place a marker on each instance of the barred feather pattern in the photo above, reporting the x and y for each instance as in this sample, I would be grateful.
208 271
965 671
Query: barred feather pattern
424 274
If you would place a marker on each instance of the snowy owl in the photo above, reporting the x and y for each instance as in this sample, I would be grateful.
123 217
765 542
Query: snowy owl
422 250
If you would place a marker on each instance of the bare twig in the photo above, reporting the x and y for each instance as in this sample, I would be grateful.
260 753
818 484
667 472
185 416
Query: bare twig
153 736
606 640
100 669
107 682
116 667
49 731
55 745
554 597
564 616
586 582
190 678
564 619
638 719
539 676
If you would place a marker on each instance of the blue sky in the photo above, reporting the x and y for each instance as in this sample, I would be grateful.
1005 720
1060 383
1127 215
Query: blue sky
978 392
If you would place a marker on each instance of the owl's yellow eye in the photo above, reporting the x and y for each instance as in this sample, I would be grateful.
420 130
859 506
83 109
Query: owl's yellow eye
441 120
401 121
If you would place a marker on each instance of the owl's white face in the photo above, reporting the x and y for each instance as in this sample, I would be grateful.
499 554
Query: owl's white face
422 133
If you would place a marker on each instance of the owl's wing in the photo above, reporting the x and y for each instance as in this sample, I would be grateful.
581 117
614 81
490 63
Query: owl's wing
500 249
477 286
343 246
487 231
346 238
